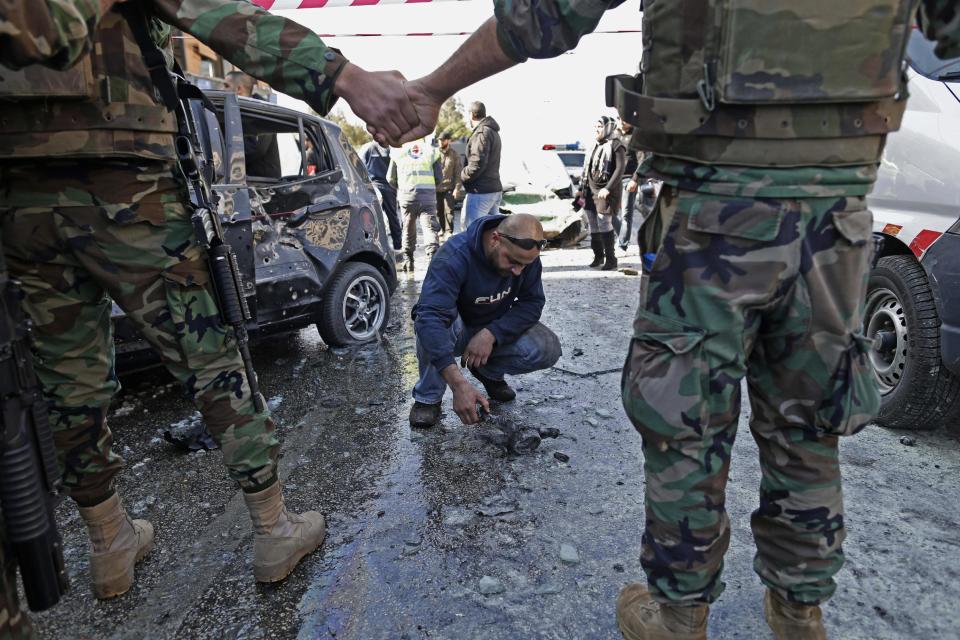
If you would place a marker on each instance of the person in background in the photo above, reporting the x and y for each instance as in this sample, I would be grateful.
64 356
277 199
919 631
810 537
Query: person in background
311 154
448 190
414 172
376 157
630 185
601 190
481 176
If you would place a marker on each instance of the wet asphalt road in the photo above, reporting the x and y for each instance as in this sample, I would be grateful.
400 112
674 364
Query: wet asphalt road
418 521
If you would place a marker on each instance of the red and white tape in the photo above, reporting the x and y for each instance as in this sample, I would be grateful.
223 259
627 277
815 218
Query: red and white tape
436 34
276 5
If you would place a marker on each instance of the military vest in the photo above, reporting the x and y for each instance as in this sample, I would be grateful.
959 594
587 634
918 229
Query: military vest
103 107
776 83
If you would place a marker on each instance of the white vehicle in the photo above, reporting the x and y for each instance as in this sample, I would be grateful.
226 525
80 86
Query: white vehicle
913 297
572 156
535 182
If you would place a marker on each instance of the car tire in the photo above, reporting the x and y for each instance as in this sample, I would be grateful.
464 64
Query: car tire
917 391
356 306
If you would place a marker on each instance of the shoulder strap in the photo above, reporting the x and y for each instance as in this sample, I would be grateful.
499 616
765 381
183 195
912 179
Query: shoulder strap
172 89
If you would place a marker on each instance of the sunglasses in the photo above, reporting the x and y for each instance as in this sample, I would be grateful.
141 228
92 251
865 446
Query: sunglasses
526 243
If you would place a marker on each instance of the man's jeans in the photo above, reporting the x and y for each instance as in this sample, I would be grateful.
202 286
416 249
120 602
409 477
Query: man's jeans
628 203
477 205
538 348
388 201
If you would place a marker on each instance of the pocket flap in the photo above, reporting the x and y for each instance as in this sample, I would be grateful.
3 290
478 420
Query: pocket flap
739 217
188 273
856 225
672 334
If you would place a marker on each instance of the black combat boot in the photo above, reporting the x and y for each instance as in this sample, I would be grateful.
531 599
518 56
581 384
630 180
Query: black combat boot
499 390
609 241
597 245
423 415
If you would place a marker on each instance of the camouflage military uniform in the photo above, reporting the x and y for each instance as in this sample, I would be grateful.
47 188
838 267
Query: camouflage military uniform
763 247
107 220
14 622
58 34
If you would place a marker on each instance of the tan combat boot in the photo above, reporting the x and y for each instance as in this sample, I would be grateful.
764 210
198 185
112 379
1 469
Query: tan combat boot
791 621
281 538
641 618
117 544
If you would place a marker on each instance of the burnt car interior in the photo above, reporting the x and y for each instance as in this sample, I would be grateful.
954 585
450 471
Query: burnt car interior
290 188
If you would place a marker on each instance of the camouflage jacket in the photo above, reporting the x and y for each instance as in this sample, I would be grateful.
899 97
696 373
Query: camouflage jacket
549 28
106 106
48 32
784 113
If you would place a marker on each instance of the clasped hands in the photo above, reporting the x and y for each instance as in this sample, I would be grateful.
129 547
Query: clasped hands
395 110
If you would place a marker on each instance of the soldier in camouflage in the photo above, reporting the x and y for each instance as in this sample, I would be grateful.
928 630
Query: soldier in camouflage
763 246
93 209
56 34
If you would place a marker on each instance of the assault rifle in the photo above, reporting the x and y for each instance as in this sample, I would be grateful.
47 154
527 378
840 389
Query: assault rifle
174 91
29 474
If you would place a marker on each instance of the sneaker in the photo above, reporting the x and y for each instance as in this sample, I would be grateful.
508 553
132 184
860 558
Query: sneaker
423 415
499 390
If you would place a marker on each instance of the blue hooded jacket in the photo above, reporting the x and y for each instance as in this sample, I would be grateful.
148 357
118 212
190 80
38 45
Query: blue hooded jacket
461 281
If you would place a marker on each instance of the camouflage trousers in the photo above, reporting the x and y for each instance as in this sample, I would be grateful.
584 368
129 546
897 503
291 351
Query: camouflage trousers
78 235
15 624
14 621
771 290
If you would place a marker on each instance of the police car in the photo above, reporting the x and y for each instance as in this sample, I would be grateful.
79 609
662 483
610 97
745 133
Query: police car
572 155
913 297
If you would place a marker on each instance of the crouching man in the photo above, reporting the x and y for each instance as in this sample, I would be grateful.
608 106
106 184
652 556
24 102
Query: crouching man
481 302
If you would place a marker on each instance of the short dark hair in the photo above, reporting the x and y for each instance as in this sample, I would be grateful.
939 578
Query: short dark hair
241 79
478 110
446 135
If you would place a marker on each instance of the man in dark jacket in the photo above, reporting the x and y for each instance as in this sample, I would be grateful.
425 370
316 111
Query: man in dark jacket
376 158
628 201
481 176
481 301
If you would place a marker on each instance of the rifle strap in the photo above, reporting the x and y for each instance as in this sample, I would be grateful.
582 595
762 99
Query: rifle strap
172 88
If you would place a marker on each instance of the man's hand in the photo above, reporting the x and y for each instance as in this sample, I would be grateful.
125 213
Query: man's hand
427 106
632 186
379 99
478 349
466 397
603 194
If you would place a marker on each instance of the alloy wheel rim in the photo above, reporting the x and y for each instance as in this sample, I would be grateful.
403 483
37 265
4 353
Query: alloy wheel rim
364 306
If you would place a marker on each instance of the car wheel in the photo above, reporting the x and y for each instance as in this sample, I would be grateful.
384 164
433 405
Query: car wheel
356 305
917 391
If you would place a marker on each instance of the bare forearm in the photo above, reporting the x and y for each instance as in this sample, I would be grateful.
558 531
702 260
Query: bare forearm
452 376
481 56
